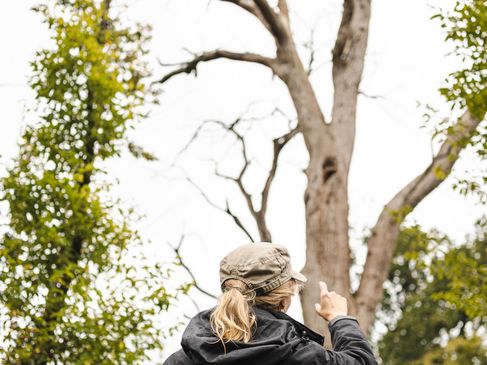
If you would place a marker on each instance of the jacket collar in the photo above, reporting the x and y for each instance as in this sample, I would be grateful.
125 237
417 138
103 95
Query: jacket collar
300 328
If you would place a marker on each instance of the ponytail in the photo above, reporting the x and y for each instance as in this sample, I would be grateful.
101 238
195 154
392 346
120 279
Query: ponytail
233 318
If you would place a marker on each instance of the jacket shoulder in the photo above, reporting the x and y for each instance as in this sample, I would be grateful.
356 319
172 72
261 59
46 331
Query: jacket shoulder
178 358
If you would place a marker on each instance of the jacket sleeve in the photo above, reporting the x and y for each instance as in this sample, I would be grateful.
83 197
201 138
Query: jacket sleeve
350 347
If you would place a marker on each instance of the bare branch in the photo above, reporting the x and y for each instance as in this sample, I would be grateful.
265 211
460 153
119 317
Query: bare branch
241 118
278 29
384 234
225 210
343 42
179 258
283 9
198 309
278 145
265 235
348 64
237 221
442 163
191 66
259 214
369 96
193 138
198 130
310 45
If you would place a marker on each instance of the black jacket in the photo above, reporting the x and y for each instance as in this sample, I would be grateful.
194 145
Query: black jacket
277 340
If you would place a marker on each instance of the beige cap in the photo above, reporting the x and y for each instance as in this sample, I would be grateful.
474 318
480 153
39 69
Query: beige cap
263 267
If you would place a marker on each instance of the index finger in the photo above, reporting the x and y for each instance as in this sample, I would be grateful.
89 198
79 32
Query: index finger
323 287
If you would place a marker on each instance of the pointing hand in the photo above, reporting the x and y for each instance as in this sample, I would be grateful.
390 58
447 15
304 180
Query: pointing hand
331 304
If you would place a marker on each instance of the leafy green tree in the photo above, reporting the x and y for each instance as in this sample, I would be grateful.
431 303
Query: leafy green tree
466 28
435 289
458 351
69 288
465 271
418 307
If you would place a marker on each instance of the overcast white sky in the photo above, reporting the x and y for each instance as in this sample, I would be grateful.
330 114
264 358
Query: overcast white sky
405 64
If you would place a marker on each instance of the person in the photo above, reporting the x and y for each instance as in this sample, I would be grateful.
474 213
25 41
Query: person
250 325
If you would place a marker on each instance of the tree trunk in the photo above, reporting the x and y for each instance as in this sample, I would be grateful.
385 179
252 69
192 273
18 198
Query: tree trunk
330 148
327 253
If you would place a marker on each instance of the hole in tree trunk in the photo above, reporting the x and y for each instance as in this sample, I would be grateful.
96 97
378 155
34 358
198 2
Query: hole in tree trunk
329 168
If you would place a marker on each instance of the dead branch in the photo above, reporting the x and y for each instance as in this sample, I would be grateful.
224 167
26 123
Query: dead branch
257 214
275 20
191 66
283 9
312 52
369 96
278 145
264 232
225 210
348 64
179 258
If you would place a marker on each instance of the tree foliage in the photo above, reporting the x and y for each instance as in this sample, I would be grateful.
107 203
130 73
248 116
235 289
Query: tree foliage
421 302
436 290
466 28
458 351
68 287
464 269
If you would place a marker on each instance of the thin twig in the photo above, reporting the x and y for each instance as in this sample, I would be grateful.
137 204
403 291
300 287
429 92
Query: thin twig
225 210
179 258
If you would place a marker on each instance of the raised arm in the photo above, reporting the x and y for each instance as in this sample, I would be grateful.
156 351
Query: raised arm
350 346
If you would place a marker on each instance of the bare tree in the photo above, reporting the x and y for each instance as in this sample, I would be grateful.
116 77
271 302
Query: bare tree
330 146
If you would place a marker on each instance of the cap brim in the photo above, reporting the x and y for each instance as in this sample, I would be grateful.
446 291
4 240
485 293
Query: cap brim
298 276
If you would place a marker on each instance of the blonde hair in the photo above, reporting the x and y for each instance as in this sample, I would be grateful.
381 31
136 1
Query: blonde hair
233 318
